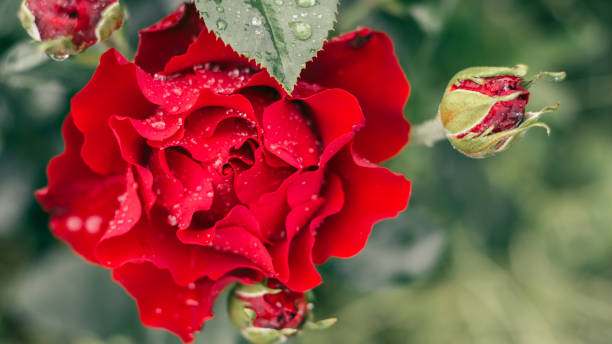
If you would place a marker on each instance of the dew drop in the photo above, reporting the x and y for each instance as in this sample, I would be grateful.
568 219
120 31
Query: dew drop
306 3
278 2
301 30
93 223
221 24
74 223
220 9
58 57
172 220
256 21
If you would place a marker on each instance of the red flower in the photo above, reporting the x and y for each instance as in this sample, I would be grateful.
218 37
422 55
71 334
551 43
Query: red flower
192 168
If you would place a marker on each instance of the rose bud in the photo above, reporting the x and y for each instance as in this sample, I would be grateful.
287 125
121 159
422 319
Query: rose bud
68 27
268 313
191 168
483 109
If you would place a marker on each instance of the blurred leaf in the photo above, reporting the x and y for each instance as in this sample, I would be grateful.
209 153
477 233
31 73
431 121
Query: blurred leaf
22 57
281 35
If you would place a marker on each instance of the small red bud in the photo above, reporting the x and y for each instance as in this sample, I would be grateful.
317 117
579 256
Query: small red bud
67 27
483 109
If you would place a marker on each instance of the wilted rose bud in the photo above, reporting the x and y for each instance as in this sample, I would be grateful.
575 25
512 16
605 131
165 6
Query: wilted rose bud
268 313
483 109
68 27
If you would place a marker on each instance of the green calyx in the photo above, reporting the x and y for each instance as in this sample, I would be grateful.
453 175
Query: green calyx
484 145
111 20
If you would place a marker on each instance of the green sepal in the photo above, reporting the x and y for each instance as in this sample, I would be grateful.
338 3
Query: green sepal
320 324
28 21
551 76
60 48
254 290
111 20
462 110
484 145
477 74
257 335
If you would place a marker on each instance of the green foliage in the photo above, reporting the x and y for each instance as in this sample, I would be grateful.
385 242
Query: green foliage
281 35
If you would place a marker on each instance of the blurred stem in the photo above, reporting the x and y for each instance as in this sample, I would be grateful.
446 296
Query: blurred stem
428 133
118 40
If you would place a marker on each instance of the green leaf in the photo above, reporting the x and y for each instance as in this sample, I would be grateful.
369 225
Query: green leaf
280 35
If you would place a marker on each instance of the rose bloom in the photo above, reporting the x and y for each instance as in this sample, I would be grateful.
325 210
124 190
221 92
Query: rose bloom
191 168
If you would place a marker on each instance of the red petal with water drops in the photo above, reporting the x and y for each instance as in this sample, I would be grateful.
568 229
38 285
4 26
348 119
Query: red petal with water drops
155 241
289 134
167 38
182 309
295 221
384 195
239 216
364 64
83 202
113 90
261 178
184 187
338 116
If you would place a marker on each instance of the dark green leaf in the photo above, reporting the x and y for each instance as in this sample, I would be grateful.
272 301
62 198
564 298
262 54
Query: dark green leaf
281 35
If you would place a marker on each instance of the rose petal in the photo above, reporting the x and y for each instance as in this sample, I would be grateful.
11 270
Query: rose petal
167 38
364 64
155 241
239 216
184 187
82 202
289 134
338 116
113 90
261 178
295 220
165 304
371 194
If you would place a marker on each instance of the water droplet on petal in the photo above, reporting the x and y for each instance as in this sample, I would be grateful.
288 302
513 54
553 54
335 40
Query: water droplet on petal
93 223
256 21
172 220
301 30
74 223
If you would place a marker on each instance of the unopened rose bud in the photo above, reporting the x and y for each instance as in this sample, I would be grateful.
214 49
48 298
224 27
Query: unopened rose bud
68 27
269 313
483 109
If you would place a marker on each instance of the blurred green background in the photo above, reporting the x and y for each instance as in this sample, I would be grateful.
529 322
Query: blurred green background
513 249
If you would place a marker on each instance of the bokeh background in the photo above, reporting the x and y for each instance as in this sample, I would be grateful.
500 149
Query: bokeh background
513 249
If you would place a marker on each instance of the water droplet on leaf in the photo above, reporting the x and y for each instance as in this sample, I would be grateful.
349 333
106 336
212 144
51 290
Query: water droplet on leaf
306 3
301 30
221 24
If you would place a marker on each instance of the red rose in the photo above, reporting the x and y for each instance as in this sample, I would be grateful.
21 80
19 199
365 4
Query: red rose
192 168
